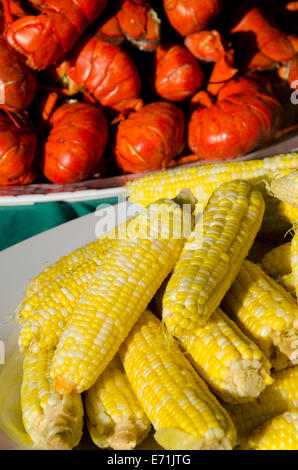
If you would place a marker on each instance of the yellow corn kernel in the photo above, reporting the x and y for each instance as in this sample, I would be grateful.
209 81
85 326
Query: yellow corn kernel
212 256
288 282
231 364
115 418
202 180
294 259
43 323
285 188
266 313
278 433
277 398
118 293
277 261
183 411
287 212
52 421
52 275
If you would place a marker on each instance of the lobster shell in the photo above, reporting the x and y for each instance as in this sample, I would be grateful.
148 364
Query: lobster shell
178 75
45 38
77 140
150 138
190 16
107 73
244 116
18 81
18 142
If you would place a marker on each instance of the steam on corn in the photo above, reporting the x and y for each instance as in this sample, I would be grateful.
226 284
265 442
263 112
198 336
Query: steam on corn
118 293
231 364
204 179
52 421
266 313
277 398
278 433
115 417
212 256
184 413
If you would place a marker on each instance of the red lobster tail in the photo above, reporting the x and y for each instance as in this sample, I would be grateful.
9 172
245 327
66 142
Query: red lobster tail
57 28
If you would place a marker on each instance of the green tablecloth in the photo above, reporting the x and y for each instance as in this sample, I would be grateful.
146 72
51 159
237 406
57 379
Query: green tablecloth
17 223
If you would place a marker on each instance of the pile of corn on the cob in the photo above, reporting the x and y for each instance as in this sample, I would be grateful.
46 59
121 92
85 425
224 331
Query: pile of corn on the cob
184 326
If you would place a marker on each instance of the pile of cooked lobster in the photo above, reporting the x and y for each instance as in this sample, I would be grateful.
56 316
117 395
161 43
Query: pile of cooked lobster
95 87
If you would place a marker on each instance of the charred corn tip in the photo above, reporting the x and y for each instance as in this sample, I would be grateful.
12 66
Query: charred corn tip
115 418
183 411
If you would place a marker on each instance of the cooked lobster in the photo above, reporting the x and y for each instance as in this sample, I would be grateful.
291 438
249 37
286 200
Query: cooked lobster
18 142
77 140
206 46
244 116
255 34
46 37
150 138
190 16
104 72
18 82
177 73
135 21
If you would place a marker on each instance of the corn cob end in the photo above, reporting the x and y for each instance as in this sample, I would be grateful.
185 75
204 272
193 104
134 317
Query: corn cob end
173 439
246 379
121 436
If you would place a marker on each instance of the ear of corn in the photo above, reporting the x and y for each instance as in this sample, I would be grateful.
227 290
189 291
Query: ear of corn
277 398
275 224
184 413
204 179
266 313
288 282
287 212
53 274
115 418
212 256
294 259
44 323
278 433
53 422
285 188
231 364
118 293
277 262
